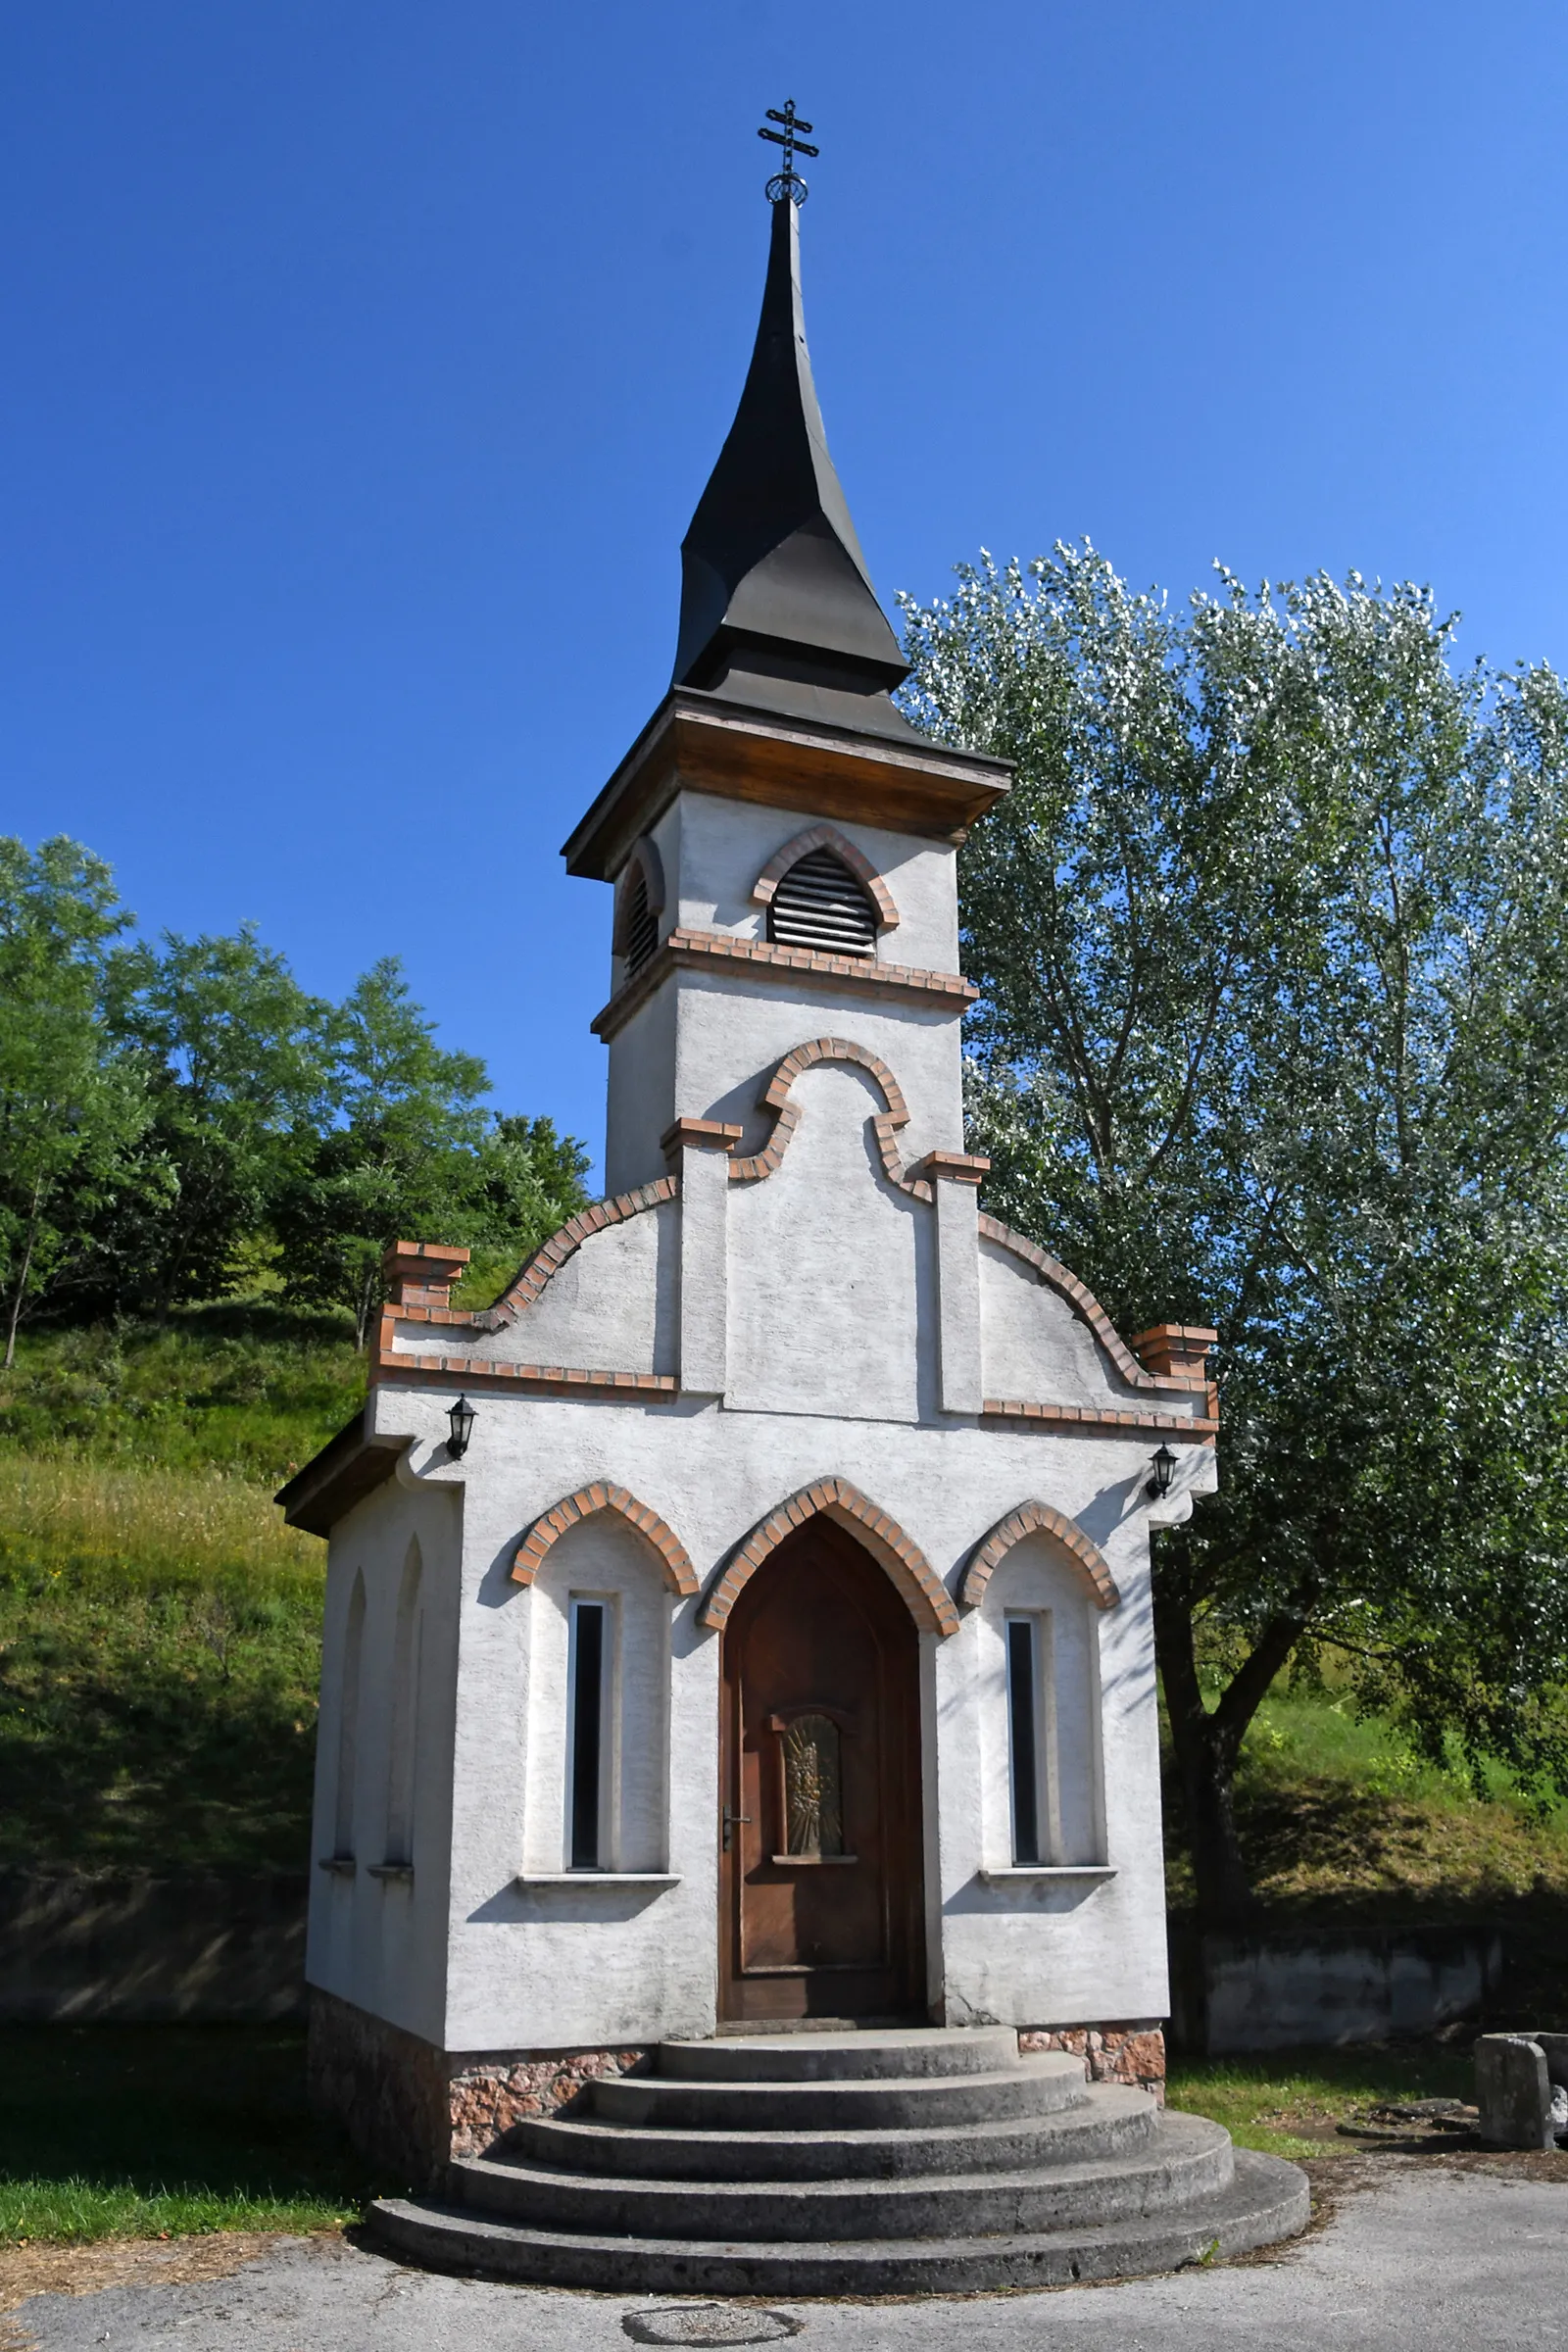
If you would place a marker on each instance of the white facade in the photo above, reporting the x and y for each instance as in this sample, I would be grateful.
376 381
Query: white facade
771 1310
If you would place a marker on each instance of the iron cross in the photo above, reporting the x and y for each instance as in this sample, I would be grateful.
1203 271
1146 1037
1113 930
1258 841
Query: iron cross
787 182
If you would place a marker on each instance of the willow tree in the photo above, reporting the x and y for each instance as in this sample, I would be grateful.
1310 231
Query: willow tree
1274 1035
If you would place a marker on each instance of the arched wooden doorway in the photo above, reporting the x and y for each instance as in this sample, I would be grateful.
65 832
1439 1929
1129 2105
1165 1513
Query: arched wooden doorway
821 1906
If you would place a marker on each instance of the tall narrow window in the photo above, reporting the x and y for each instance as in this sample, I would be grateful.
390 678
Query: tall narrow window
348 1725
818 903
587 1670
405 1714
1023 1736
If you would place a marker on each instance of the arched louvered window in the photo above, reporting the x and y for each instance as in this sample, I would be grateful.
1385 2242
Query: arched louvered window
818 903
642 924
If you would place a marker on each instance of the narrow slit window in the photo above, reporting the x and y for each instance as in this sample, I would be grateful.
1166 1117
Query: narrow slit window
642 924
1023 1736
589 1657
818 903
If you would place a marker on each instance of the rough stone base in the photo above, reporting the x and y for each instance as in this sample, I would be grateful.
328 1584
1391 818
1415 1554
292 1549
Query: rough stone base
1134 2054
411 2108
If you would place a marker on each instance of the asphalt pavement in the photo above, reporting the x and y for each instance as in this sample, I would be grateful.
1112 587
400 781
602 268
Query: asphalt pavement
1412 2257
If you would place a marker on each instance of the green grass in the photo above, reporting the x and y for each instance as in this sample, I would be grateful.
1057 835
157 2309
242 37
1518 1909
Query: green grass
1340 1818
134 2131
1276 2101
243 1387
160 1627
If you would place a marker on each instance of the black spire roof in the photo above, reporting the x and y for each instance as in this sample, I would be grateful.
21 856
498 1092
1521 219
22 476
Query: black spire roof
777 610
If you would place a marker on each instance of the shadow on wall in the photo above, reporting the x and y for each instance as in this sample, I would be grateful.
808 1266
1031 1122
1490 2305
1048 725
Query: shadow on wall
135 1949
1324 1987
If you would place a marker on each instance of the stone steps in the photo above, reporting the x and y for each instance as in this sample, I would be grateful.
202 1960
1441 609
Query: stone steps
1104 2123
1266 2200
1030 2086
907 2051
1186 2157
850 2163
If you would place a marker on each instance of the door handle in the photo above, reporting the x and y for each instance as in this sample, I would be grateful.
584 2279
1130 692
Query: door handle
730 1820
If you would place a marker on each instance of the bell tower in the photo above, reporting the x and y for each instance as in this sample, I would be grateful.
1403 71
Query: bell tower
781 840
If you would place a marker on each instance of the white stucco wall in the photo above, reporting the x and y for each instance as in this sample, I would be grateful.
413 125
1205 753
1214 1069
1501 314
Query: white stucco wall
813 1297
590 1964
381 1942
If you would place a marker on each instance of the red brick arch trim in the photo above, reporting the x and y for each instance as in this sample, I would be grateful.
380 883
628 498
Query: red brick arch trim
923 1592
787 1114
1036 1519
1086 1307
534 1544
828 837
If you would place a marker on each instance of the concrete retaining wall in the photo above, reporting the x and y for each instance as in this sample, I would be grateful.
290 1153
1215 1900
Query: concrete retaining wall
1326 1985
135 1949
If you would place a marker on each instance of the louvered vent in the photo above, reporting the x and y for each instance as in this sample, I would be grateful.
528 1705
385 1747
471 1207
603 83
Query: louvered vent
818 903
642 924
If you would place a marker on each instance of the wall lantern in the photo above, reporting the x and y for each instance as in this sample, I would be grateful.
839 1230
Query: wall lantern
1163 1463
461 1421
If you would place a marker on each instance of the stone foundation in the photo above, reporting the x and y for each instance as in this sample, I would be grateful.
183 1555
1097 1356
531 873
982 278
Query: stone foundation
411 2108
1134 2054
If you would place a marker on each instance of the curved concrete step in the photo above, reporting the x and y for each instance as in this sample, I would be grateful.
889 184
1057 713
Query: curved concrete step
1108 2120
1029 2087
1266 2200
905 2052
1187 2157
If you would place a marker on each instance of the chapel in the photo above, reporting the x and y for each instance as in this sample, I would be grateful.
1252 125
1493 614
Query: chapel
738 1692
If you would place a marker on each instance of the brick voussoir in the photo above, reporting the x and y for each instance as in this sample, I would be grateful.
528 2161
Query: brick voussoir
534 1542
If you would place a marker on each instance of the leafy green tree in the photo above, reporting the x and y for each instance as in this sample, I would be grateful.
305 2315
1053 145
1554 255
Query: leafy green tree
414 1153
71 1103
240 1075
1274 1033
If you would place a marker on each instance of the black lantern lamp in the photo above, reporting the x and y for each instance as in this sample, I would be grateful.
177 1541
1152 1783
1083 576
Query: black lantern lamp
461 1421
1162 1465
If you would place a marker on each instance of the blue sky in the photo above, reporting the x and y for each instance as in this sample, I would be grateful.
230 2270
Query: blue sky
365 359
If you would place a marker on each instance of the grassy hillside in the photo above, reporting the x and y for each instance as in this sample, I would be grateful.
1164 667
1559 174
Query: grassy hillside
1338 1818
158 1626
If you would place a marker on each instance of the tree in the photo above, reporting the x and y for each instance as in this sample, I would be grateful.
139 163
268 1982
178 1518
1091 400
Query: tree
413 1153
71 1104
1274 1033
240 1075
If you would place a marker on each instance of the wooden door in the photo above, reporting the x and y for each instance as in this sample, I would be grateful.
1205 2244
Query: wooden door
821 1904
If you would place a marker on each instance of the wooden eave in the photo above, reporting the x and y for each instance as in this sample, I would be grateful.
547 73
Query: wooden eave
348 1467
694 743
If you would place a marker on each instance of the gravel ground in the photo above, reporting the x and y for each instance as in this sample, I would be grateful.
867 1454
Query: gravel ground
1405 2253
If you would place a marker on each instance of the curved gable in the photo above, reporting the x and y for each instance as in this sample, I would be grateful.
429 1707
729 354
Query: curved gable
775 1098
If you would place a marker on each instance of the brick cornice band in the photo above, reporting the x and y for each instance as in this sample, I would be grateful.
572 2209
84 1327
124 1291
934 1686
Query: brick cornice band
827 837
495 1372
1117 1418
534 1544
723 951
923 1592
1032 1519
787 1114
